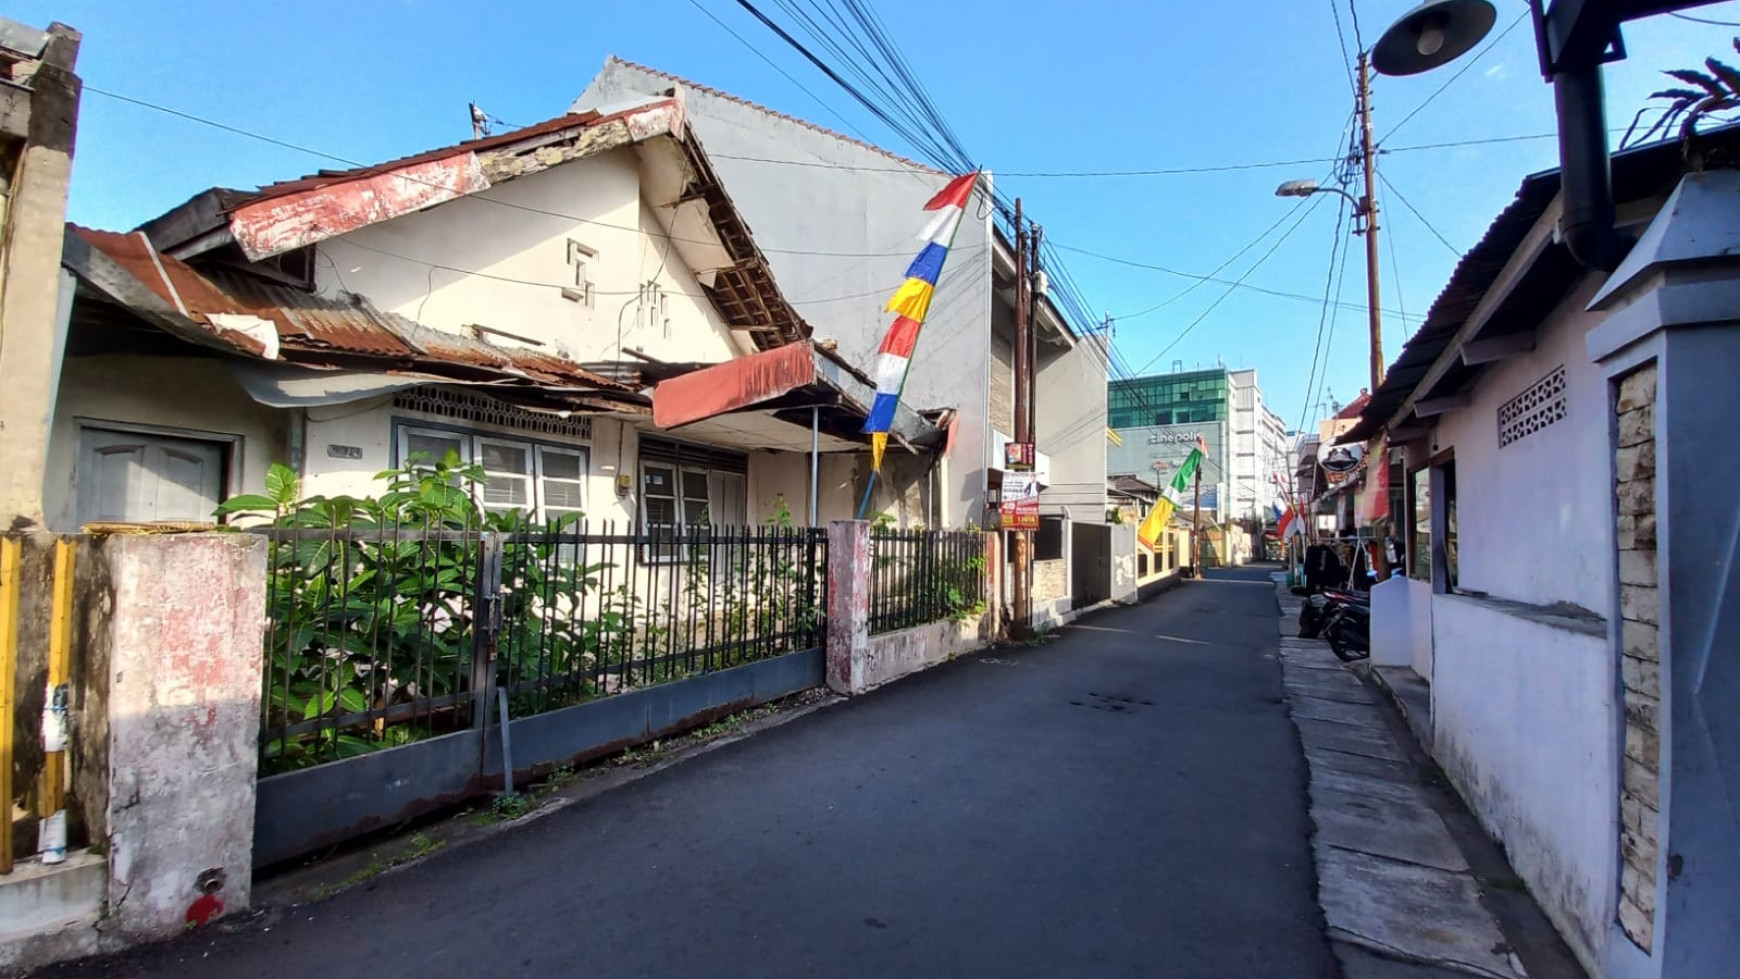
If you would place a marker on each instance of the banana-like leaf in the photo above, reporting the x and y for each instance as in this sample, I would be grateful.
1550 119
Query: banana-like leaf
1726 74
1698 78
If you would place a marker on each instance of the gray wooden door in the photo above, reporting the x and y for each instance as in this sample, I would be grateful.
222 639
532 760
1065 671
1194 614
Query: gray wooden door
128 477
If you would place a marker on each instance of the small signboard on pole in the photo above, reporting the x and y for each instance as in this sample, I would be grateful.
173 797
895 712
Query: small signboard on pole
1020 501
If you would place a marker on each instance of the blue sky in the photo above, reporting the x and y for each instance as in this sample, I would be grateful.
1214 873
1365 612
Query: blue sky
1029 87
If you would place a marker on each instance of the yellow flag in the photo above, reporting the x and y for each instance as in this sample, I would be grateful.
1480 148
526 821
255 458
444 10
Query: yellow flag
878 442
912 299
1155 523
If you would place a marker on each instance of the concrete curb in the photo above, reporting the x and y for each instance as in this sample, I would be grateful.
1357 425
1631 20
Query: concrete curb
1391 879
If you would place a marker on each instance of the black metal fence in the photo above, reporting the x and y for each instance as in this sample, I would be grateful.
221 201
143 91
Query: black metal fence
385 637
920 576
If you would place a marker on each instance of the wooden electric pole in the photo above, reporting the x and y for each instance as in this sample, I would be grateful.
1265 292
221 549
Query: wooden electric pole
1368 205
1023 431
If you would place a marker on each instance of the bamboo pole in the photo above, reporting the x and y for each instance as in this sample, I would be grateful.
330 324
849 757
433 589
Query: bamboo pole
55 724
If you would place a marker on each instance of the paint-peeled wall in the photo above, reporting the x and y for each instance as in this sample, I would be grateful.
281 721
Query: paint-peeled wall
1534 515
500 259
838 221
158 392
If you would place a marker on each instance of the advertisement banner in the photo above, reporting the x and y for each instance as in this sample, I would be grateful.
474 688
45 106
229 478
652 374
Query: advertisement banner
1020 501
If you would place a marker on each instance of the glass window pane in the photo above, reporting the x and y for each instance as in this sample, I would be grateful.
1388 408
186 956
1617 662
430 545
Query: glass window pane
561 465
433 447
505 491
659 482
695 513
660 512
505 458
695 484
561 494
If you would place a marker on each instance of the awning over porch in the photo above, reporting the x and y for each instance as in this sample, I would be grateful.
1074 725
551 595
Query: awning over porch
769 399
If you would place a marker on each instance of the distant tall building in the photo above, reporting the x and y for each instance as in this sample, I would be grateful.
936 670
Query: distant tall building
1159 418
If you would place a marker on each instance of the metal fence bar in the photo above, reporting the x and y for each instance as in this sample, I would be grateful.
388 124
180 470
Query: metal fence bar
379 636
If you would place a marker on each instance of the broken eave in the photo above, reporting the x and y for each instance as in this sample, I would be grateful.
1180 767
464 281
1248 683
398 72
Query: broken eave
786 384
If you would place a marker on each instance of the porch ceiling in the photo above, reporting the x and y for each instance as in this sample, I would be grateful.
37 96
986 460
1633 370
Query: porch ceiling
752 430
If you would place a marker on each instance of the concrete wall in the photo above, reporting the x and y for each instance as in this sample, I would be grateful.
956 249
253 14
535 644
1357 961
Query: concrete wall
158 391
1534 523
1522 716
839 238
1392 623
391 264
859 662
166 714
35 295
1070 418
184 715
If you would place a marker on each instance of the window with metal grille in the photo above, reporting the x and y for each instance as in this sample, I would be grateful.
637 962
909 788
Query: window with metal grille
1541 405
465 406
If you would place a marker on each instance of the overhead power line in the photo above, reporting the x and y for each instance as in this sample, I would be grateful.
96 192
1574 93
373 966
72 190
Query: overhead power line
1422 218
355 164
1703 20
1471 62
1229 282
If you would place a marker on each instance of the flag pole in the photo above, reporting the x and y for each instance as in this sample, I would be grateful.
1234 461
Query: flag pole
868 489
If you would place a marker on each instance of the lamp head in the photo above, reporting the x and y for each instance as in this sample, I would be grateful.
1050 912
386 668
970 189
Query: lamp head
1297 188
1432 34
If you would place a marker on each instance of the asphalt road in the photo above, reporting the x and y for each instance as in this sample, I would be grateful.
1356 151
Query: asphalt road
1125 800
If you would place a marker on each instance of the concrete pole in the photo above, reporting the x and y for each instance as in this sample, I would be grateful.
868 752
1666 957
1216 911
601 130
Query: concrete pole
1023 432
815 456
30 292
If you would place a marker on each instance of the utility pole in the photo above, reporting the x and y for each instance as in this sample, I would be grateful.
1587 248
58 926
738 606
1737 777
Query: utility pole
1369 206
1023 430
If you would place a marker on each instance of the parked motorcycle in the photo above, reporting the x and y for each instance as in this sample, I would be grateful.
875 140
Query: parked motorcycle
1348 630
1320 606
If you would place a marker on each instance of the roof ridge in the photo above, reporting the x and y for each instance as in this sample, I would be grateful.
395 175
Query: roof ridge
740 100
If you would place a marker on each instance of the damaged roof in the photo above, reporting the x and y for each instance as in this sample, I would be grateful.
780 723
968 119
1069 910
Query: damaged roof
239 314
294 214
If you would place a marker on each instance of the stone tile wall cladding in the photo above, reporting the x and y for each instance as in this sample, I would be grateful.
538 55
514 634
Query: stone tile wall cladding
1640 610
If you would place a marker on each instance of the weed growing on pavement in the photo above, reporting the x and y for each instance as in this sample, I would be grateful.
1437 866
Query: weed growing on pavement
421 846
506 808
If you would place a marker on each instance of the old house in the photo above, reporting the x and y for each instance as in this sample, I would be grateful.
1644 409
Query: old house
1564 630
835 216
517 300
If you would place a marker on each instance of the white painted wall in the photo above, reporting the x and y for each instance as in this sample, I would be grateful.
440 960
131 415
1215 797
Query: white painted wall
1524 720
773 475
1420 627
193 394
1070 423
1392 641
521 256
1536 516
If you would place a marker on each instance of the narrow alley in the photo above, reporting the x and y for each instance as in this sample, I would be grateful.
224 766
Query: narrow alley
1125 800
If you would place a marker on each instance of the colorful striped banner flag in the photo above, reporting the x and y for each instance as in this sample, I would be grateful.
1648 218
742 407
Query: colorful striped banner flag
910 304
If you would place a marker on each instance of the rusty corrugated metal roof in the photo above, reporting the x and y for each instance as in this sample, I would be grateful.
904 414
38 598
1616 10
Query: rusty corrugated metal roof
310 324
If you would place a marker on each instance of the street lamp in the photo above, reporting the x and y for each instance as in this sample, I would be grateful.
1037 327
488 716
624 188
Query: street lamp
1427 36
1305 188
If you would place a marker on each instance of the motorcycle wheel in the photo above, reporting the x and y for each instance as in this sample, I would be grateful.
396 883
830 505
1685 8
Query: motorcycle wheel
1338 645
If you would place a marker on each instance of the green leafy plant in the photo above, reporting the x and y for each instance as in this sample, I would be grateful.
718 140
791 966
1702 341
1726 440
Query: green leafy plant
1717 89
372 601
